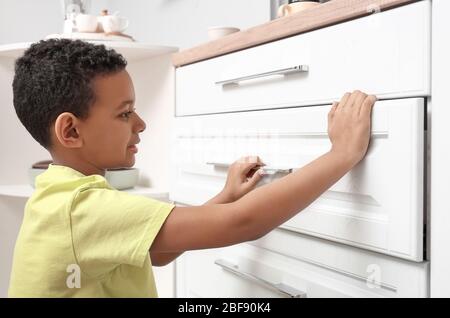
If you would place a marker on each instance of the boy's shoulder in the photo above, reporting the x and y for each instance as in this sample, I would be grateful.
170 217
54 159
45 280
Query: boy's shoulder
67 180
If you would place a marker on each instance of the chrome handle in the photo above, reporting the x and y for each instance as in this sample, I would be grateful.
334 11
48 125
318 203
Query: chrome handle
277 287
267 170
284 71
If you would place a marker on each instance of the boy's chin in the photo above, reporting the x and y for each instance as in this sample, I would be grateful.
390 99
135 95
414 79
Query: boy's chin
130 162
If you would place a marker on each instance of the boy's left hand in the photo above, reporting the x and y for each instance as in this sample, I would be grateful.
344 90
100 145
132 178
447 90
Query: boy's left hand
243 176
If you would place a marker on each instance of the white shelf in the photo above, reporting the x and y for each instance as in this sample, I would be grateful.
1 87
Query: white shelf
25 191
132 51
19 190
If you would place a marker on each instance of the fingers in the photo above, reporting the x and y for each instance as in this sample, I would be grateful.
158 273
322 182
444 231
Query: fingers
332 111
343 101
249 163
353 100
350 102
249 159
359 99
367 105
253 181
348 105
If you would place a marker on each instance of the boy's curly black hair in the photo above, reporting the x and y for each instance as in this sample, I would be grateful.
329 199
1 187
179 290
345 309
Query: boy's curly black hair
56 76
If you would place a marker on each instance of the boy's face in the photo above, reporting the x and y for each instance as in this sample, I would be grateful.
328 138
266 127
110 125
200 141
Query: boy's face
107 137
111 130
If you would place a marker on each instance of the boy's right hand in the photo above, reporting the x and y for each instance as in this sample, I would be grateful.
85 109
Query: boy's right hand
349 123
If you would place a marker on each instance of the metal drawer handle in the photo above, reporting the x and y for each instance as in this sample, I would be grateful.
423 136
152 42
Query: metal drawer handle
284 71
280 287
267 170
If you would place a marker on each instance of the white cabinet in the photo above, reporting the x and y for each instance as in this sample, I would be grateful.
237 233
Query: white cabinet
387 54
322 270
377 206
272 101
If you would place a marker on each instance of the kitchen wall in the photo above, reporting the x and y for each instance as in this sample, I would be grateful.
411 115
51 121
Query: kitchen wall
31 20
181 23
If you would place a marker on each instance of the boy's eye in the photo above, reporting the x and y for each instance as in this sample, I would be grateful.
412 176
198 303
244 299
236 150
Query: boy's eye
126 115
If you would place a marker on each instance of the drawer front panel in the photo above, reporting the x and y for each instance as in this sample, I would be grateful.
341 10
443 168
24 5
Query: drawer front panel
377 206
387 54
248 271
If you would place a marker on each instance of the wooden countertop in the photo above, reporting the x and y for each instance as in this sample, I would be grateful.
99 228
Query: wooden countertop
326 14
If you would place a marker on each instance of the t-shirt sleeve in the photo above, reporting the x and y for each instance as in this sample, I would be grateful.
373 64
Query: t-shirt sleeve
111 227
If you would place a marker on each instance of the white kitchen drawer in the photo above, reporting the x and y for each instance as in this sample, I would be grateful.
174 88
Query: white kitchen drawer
387 54
377 206
321 270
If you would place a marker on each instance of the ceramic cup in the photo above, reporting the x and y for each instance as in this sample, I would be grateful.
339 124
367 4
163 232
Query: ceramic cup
86 23
113 23
215 33
287 9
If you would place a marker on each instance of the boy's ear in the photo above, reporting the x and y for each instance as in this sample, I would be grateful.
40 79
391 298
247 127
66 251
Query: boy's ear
67 130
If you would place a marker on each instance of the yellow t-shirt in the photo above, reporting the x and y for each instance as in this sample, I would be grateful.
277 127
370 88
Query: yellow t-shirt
82 238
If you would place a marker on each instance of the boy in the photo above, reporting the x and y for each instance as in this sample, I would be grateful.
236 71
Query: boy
77 100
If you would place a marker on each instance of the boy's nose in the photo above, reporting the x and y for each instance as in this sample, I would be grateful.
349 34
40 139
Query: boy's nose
141 126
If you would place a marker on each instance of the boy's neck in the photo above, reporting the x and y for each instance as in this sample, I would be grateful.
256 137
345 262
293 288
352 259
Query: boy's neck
83 167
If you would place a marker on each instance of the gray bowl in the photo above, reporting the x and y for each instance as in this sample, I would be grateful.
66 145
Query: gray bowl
122 179
118 179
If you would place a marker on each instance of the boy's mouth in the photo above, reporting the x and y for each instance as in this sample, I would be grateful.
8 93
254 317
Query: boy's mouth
133 148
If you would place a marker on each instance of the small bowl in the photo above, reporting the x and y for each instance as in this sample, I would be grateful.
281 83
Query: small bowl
215 33
119 179
123 178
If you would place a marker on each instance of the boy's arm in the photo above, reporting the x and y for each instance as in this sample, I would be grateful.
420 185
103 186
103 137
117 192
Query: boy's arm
240 181
162 258
190 228
265 208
